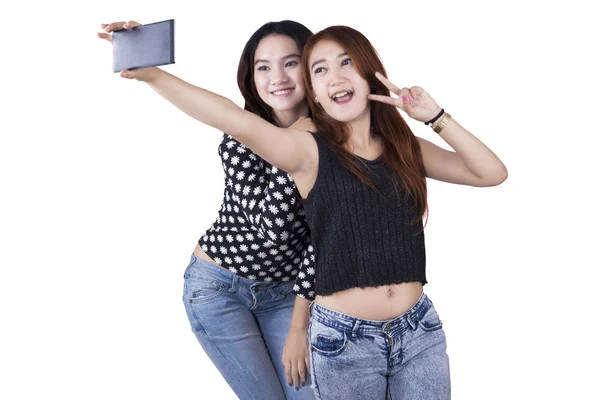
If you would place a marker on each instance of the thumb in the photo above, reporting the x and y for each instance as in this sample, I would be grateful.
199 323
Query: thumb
128 74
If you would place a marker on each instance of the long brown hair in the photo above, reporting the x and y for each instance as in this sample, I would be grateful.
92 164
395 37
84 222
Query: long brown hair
401 149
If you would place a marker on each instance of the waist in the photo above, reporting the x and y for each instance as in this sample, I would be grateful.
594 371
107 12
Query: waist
374 303
351 323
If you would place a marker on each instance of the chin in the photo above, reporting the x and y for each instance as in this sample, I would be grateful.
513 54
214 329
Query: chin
286 105
344 117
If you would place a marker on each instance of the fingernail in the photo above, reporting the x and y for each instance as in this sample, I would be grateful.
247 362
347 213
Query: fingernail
303 384
404 99
290 384
297 388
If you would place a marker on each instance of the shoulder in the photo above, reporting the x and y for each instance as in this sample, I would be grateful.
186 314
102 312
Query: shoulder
230 148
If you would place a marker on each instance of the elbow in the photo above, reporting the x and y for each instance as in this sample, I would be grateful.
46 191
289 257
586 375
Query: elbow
498 177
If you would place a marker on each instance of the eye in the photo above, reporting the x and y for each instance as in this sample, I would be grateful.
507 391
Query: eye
318 70
291 63
263 68
346 61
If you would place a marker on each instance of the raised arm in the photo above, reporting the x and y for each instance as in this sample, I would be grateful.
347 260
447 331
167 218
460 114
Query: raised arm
471 163
288 149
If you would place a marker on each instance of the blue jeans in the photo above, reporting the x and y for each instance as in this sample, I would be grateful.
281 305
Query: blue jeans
402 358
242 325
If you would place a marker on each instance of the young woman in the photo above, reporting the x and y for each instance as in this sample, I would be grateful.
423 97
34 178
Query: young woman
240 283
362 177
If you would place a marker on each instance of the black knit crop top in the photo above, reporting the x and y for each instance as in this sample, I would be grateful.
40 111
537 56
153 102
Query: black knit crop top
361 238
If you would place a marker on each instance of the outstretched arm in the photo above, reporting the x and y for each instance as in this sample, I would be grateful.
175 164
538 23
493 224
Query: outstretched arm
288 149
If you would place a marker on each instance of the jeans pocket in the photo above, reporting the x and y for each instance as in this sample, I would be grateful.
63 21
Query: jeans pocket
325 339
430 321
202 289
207 291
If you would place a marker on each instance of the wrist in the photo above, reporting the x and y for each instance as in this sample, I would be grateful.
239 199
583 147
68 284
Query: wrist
150 75
441 123
299 326
435 116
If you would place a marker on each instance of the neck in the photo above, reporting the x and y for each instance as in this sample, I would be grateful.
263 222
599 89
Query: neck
286 118
360 136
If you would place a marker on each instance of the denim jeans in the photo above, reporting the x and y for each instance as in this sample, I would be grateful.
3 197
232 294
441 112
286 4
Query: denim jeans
402 358
242 325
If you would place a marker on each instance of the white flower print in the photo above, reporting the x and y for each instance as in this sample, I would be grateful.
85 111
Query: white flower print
271 244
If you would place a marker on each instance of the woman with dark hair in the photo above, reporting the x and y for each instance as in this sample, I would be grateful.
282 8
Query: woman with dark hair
373 332
241 280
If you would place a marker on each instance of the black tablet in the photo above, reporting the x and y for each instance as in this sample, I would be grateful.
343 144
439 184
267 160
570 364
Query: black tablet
144 46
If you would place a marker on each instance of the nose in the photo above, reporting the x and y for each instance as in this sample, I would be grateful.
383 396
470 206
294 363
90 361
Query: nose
336 79
279 76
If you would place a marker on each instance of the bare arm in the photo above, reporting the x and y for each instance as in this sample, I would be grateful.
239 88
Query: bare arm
471 163
288 149
295 350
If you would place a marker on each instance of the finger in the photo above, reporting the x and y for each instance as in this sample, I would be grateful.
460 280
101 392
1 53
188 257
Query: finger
302 372
115 26
105 36
415 92
387 83
307 364
407 106
131 25
405 92
383 99
295 374
127 74
288 372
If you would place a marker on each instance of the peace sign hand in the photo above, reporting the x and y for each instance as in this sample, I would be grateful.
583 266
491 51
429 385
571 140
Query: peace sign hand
415 102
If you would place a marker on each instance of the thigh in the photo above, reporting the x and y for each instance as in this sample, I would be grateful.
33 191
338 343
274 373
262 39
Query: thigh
230 336
274 320
346 367
424 372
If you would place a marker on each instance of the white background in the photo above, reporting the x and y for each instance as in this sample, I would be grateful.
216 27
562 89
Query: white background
105 188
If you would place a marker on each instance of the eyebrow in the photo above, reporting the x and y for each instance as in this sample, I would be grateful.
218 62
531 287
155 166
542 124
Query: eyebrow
284 58
322 60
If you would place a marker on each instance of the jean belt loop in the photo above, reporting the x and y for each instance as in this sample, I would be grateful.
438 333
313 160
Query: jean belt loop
355 327
310 307
412 320
234 283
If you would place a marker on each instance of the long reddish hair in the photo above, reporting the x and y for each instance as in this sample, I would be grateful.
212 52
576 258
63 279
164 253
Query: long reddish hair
401 149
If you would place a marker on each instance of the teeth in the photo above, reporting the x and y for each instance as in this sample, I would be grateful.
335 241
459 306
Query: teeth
280 92
338 95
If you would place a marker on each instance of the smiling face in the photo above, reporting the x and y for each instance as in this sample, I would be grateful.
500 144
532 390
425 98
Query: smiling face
278 74
337 85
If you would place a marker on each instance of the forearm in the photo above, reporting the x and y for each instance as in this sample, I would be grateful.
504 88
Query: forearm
300 315
203 105
477 157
